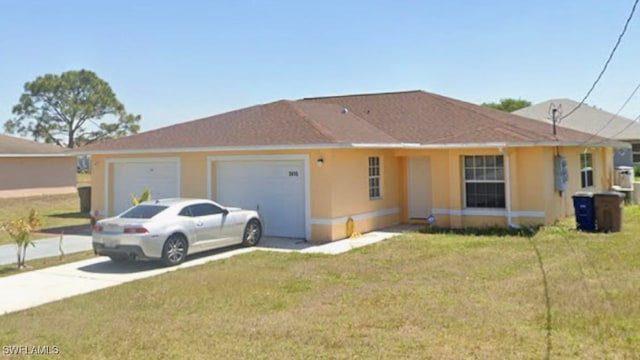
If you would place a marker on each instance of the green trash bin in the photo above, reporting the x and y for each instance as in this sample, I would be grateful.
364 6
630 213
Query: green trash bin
608 206
84 193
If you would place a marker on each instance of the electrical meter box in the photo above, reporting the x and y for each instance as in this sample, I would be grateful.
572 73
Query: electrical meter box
560 173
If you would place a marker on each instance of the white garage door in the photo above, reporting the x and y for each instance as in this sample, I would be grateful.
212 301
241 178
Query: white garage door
131 178
274 188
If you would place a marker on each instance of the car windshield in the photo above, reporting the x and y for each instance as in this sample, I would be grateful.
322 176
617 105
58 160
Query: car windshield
143 212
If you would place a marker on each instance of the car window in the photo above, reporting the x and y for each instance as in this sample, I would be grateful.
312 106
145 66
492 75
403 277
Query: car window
143 211
205 209
186 212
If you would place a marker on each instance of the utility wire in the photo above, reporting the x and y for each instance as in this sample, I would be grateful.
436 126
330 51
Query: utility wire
633 93
630 124
606 64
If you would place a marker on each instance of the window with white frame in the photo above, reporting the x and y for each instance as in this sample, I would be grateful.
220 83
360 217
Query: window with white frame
586 170
374 177
484 181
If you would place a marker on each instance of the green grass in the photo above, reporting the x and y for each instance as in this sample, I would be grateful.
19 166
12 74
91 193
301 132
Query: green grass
55 210
83 179
560 294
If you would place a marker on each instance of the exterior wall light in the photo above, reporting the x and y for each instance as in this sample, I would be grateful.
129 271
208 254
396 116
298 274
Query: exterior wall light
320 162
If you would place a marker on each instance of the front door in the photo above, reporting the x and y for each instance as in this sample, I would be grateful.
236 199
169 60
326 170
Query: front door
419 186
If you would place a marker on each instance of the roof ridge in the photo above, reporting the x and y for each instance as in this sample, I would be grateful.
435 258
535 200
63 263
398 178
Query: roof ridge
566 128
356 116
572 102
561 99
369 123
361 95
314 124
474 108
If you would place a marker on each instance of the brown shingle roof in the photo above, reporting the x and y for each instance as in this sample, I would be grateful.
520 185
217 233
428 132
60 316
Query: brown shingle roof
13 146
415 117
425 118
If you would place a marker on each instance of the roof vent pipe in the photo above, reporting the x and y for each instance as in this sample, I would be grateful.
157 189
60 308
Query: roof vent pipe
345 110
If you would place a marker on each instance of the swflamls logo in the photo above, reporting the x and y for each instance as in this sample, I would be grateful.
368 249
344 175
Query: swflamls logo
30 350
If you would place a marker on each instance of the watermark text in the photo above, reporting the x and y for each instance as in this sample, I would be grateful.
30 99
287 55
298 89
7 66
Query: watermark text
30 350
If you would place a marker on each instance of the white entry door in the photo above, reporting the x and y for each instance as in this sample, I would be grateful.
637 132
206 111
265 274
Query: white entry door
419 186
131 178
273 187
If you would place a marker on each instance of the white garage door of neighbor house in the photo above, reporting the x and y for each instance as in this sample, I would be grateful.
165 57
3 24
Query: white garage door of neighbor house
274 188
131 178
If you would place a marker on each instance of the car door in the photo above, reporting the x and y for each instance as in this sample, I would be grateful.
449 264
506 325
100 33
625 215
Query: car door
196 226
210 220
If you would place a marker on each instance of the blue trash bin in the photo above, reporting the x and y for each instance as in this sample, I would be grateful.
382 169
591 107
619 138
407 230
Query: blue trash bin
585 211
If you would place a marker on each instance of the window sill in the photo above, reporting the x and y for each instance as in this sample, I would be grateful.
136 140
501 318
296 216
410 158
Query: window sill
484 208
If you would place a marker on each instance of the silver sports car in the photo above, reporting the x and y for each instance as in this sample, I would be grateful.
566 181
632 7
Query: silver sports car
170 229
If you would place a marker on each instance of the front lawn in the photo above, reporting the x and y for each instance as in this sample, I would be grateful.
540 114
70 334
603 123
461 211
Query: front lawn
83 179
561 295
55 210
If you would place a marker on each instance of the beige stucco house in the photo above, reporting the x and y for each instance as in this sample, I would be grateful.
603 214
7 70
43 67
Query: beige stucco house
310 165
31 168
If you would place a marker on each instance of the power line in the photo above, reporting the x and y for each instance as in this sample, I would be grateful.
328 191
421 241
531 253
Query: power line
633 93
606 64
630 124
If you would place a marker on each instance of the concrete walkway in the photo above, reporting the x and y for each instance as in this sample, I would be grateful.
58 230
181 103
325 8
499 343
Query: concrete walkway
43 286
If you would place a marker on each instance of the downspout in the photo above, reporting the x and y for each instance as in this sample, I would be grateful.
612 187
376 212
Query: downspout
507 190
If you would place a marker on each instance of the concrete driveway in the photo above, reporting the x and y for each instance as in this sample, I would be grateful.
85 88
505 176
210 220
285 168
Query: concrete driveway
39 287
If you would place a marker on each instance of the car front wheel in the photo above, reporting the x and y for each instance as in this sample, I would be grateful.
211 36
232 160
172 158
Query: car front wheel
252 233
175 250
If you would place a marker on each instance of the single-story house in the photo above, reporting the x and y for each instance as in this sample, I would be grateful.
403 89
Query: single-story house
310 165
29 168
592 120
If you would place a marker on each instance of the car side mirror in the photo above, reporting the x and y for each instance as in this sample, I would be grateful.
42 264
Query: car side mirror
225 212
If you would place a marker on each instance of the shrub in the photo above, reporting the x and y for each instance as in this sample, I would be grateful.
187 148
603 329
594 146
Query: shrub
145 196
20 231
525 231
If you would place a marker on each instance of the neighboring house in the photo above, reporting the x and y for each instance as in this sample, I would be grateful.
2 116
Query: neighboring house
28 167
310 165
592 120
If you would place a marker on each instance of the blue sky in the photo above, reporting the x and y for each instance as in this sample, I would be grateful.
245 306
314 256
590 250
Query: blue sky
180 60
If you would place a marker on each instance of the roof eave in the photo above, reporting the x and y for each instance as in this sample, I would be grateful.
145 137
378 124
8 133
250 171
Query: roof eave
608 143
16 155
